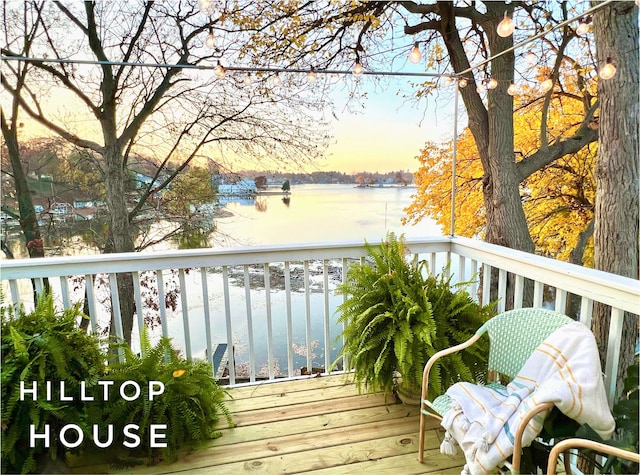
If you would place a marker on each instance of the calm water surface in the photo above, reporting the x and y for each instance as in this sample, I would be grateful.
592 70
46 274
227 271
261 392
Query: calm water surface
320 213
314 214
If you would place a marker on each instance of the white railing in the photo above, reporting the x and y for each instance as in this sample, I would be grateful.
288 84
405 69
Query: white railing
273 304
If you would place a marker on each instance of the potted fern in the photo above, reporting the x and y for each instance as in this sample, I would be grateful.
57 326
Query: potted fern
396 316
45 344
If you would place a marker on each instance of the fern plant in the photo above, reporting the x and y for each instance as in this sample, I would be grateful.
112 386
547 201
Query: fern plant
396 316
190 404
43 345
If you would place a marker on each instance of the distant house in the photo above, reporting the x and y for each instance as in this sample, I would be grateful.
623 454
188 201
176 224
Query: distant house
242 188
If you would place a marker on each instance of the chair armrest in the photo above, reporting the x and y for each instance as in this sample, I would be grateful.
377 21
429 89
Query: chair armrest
517 443
440 354
576 443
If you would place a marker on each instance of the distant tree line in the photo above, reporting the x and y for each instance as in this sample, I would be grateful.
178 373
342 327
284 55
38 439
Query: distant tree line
275 178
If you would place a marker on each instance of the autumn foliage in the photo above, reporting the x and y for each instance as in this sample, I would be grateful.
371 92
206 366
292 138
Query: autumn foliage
558 200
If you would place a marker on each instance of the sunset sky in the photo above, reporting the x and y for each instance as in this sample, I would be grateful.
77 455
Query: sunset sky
390 132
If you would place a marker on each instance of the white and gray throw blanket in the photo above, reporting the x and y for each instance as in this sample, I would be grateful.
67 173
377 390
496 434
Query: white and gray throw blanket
564 369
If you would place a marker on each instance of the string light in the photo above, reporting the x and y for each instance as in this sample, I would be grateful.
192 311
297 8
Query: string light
462 83
505 27
358 70
247 80
638 3
211 41
608 70
512 89
219 71
415 56
448 81
546 85
480 89
204 5
277 81
311 77
492 83
530 58
583 27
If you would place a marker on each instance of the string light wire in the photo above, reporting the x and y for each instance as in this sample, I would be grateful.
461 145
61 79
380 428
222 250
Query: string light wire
250 69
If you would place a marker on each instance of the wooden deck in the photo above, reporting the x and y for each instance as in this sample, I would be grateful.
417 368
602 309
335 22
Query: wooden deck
321 426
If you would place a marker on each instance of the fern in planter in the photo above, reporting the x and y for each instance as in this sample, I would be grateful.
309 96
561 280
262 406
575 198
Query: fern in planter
190 404
396 317
44 345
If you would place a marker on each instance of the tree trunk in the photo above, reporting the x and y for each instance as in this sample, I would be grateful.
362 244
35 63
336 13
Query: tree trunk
120 232
492 129
28 218
617 218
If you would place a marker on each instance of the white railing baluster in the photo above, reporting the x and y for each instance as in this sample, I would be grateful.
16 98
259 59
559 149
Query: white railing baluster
252 350
447 267
613 353
39 285
185 314
267 295
227 316
432 263
518 293
345 269
561 301
486 284
64 291
538 290
502 290
473 289
15 295
204 285
327 330
138 298
287 294
307 302
586 310
461 271
91 300
162 303
115 305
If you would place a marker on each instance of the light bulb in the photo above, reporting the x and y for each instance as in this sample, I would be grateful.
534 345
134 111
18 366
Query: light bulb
583 28
358 70
608 70
462 82
530 58
480 89
211 41
505 27
546 85
311 77
219 71
247 80
512 89
492 83
277 81
638 2
204 5
415 56
448 81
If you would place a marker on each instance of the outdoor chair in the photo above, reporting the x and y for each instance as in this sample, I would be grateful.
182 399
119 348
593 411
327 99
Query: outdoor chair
576 443
548 359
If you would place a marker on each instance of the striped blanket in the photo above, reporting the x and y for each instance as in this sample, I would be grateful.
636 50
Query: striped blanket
564 369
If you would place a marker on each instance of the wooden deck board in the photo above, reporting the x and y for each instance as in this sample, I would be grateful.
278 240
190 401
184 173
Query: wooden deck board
320 426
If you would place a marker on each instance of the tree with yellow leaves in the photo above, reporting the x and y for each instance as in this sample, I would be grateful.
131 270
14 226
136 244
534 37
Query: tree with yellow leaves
558 199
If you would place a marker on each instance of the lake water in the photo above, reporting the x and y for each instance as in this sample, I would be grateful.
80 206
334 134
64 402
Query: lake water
321 213
314 214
